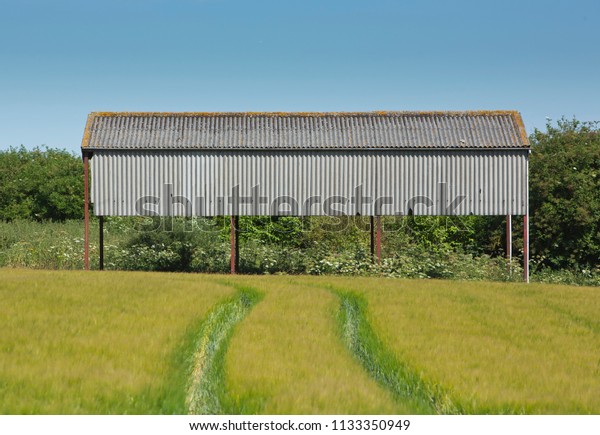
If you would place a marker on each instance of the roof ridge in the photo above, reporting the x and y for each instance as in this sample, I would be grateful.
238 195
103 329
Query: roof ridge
317 114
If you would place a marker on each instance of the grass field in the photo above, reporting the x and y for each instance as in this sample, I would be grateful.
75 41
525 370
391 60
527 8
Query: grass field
74 342
496 347
287 357
118 342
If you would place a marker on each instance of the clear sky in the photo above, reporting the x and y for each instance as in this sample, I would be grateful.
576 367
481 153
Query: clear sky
62 59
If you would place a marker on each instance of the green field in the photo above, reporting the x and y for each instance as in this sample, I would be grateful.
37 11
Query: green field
123 342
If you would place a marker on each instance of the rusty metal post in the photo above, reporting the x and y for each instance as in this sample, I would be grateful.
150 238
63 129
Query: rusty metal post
86 212
378 239
101 242
526 248
234 245
372 238
509 242
237 243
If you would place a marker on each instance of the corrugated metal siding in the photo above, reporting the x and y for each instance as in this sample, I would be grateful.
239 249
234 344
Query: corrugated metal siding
376 130
492 182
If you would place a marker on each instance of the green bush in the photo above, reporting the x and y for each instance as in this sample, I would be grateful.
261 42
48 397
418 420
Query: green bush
173 245
41 184
583 277
43 245
204 248
565 195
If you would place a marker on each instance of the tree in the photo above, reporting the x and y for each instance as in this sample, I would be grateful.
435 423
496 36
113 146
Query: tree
565 194
40 184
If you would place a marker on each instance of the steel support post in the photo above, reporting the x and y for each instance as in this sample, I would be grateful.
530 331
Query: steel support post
101 242
378 239
86 212
509 242
526 248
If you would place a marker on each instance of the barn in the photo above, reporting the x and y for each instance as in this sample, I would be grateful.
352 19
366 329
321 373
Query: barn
306 164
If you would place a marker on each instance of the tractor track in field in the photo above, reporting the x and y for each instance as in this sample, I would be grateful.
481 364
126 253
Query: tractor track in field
404 382
206 392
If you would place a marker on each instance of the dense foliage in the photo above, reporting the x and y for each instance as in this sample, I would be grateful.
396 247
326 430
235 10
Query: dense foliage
565 195
41 184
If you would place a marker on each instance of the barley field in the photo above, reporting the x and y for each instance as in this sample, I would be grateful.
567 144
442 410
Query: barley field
73 342
87 343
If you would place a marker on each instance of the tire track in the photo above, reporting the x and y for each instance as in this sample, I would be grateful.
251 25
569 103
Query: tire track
206 392
405 383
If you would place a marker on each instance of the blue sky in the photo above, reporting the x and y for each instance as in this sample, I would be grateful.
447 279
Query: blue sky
62 59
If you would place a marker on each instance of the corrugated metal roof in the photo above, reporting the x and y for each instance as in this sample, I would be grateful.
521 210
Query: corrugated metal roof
296 131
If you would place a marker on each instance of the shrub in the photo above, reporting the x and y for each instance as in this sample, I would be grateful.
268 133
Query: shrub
565 195
40 184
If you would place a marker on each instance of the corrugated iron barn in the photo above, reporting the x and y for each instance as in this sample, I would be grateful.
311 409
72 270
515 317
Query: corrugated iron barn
303 164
